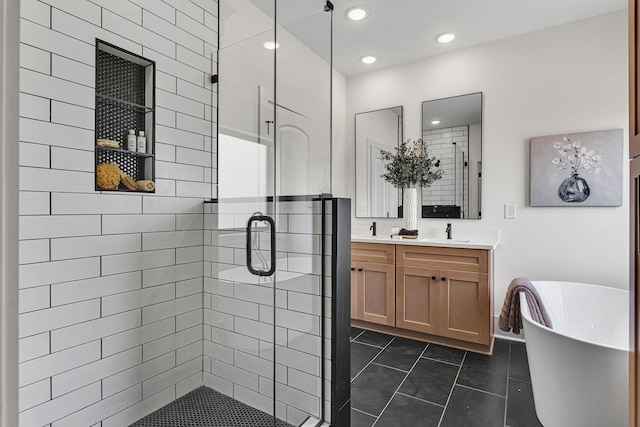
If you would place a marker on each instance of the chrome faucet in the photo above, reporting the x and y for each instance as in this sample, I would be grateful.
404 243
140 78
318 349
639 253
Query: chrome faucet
448 230
373 228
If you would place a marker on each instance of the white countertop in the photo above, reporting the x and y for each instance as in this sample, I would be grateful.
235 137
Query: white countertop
489 241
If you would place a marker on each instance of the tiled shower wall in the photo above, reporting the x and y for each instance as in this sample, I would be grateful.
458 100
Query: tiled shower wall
111 284
239 310
448 190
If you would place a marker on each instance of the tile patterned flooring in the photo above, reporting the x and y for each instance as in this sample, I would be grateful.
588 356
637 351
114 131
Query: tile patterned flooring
397 382
401 382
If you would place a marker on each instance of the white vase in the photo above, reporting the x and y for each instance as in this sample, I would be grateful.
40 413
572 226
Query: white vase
410 208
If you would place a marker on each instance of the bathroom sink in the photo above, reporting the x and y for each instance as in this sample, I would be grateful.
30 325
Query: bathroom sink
444 241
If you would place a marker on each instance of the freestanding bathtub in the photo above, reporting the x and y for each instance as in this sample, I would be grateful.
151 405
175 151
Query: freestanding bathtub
580 368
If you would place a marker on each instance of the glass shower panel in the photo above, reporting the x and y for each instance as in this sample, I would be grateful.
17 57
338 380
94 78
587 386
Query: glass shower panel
461 179
266 255
246 82
240 228
303 98
303 172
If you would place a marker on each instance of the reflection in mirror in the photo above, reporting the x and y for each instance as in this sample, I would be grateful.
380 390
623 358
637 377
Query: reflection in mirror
453 129
376 131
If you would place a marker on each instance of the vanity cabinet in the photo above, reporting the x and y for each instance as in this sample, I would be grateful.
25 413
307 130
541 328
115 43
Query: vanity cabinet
442 295
373 283
456 282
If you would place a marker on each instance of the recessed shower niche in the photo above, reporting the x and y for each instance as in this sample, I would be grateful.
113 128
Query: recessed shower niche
125 120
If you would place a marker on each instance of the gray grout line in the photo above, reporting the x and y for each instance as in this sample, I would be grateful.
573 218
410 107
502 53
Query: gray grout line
451 391
356 337
391 367
506 396
399 386
481 391
369 345
363 412
441 361
371 361
421 400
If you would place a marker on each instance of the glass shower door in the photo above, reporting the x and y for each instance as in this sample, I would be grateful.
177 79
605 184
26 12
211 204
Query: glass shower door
239 285
303 170
264 327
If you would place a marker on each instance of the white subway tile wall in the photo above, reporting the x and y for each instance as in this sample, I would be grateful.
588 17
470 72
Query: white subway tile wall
111 285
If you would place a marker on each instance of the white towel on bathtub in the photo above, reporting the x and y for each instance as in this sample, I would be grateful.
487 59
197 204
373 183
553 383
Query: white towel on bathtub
511 317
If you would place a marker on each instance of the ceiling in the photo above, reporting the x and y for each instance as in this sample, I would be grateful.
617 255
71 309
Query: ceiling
402 31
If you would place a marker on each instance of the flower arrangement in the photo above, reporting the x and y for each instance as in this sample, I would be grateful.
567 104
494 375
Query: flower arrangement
410 165
574 156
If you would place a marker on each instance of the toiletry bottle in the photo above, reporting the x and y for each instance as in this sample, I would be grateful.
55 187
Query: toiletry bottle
131 140
142 142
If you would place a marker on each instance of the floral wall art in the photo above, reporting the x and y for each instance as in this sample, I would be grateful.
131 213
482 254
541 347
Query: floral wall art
577 169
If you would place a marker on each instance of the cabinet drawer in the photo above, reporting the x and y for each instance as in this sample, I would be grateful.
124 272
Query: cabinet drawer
373 252
459 259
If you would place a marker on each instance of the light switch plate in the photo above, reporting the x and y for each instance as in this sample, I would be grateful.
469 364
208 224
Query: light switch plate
510 211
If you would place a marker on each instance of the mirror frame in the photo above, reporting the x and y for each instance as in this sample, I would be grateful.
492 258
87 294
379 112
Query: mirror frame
423 213
400 139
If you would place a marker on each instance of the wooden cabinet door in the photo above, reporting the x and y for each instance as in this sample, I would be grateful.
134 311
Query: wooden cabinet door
417 299
464 306
376 293
354 291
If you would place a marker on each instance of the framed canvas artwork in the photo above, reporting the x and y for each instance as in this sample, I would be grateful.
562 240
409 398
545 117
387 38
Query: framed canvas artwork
577 169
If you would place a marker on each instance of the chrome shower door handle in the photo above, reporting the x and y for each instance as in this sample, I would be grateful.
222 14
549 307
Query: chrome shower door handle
272 226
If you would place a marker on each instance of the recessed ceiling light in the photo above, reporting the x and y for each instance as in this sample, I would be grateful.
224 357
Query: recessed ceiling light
445 37
435 122
271 45
357 13
368 59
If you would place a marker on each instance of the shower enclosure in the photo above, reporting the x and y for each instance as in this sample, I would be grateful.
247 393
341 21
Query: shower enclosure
461 179
273 331
449 196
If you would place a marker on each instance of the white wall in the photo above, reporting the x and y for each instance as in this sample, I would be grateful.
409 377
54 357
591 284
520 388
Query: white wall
111 301
569 78
341 170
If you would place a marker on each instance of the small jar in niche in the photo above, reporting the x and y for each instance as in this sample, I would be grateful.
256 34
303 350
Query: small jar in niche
131 140
142 142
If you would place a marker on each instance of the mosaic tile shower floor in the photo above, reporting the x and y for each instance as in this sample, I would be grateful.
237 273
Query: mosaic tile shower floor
205 407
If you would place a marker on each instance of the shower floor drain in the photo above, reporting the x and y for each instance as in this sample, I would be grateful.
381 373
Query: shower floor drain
205 407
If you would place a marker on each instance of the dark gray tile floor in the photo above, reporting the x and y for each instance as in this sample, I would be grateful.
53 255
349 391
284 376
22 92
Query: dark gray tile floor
400 382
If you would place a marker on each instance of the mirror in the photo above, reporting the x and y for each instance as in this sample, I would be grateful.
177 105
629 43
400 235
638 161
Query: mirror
452 127
375 131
